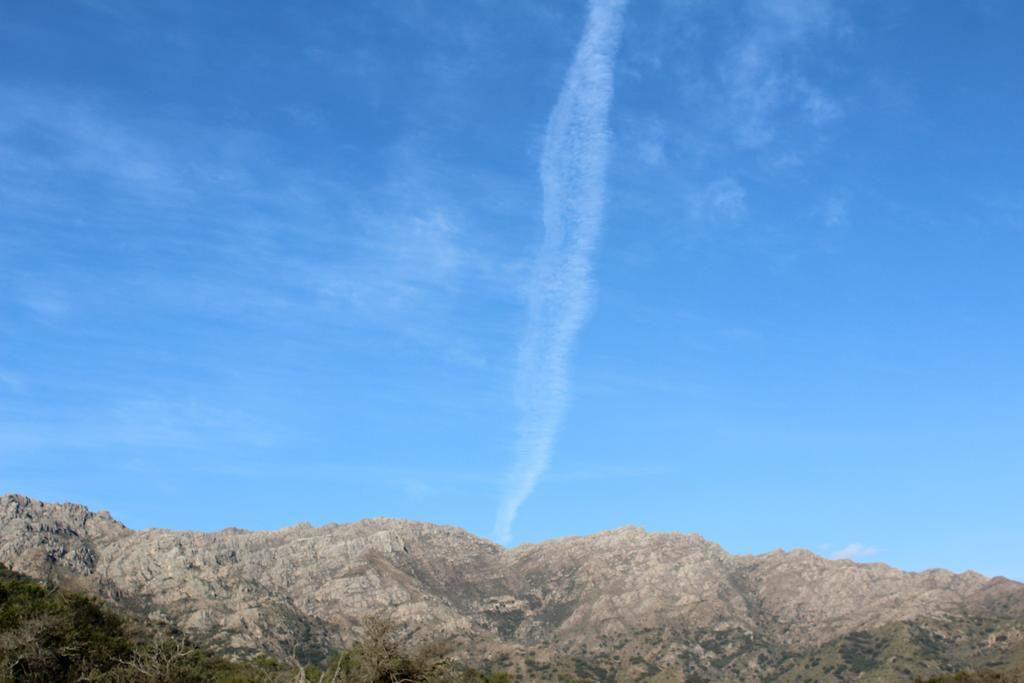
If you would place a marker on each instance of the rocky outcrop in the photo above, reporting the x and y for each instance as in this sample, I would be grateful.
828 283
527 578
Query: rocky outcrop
618 605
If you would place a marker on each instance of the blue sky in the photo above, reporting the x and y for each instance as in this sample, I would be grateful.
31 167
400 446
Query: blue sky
263 263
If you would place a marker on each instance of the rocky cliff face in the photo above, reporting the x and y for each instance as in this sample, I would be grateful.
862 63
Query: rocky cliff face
619 605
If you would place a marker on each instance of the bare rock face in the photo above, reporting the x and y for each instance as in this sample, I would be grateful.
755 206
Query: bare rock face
38 534
619 605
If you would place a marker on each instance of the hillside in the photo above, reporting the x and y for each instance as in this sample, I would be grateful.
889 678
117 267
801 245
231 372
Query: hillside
619 605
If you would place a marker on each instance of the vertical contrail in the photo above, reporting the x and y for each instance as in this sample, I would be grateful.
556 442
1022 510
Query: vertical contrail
572 171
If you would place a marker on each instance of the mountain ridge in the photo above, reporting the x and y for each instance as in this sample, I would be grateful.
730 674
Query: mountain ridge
628 527
626 602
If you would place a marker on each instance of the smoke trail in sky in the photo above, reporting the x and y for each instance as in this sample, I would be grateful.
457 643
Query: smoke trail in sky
572 174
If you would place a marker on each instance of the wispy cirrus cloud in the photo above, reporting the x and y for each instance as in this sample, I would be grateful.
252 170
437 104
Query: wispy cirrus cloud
759 77
572 176
720 200
756 104
47 132
211 224
645 139
257 232
139 422
11 381
399 263
835 210
856 552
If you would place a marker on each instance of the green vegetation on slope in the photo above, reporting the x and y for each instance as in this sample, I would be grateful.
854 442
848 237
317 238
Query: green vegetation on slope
986 676
933 650
50 634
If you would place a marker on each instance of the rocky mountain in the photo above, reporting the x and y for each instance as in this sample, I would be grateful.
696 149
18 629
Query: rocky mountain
620 605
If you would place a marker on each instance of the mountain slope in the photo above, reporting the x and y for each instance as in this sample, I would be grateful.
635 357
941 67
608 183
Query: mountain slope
619 605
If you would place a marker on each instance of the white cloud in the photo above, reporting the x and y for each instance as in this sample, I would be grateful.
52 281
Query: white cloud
755 88
11 380
721 200
855 551
141 422
794 18
573 178
395 264
262 236
646 138
82 139
835 210
819 107
762 80
45 304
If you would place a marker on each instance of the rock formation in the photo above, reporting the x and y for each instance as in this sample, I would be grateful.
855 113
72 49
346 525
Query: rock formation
618 605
